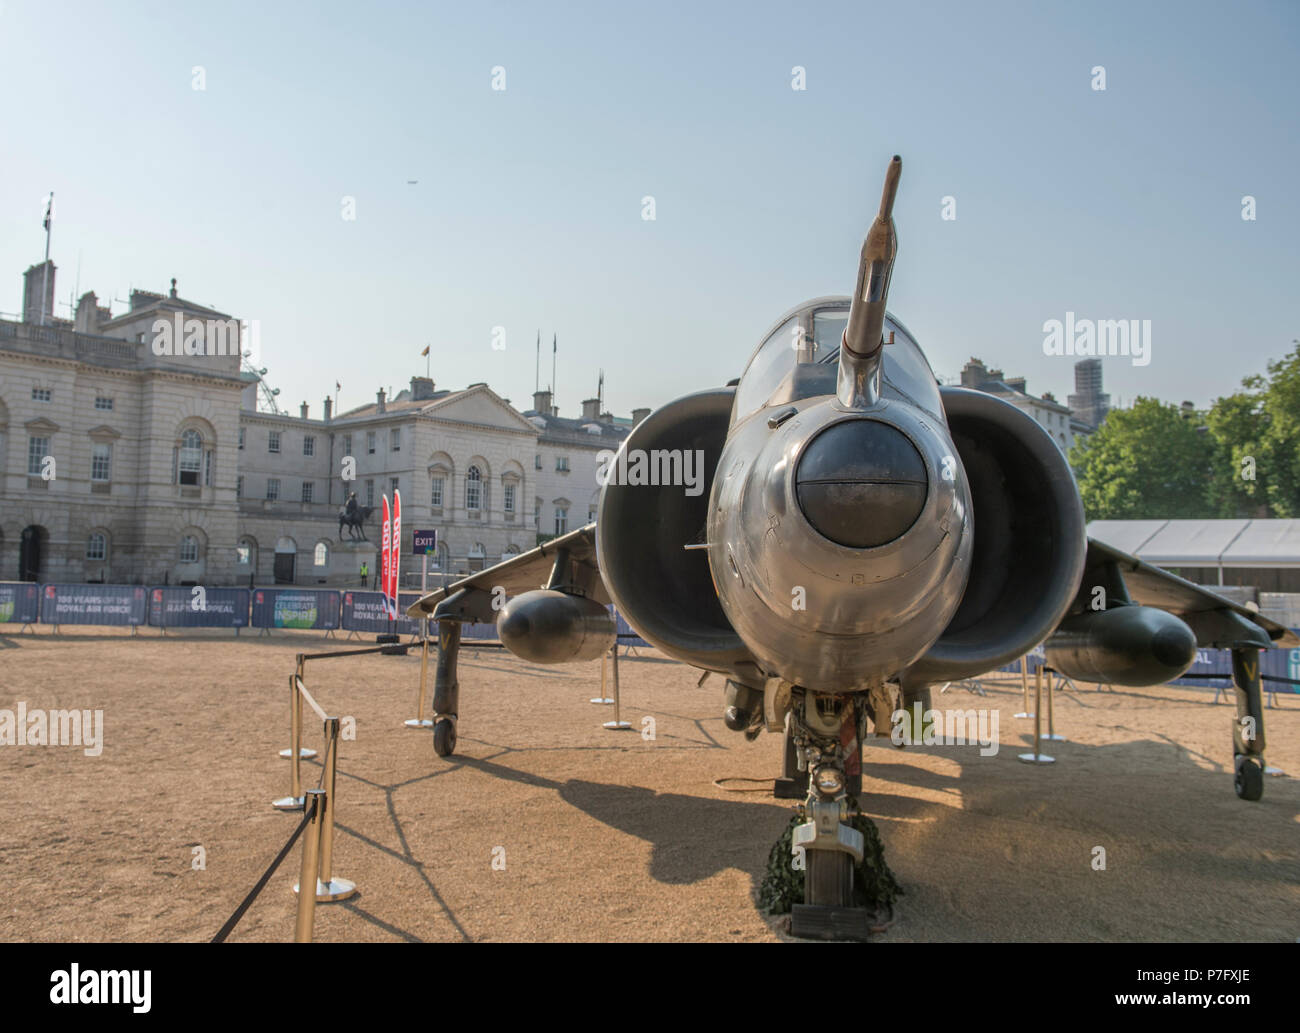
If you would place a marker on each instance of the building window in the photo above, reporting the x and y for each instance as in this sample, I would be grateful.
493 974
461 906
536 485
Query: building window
347 444
370 442
435 496
473 489
591 513
273 441
307 488
537 513
40 394
243 554
395 439
272 488
309 445
191 457
101 462
393 485
97 546
508 498
189 549
370 493
103 404
239 486
561 520
241 437
322 556
537 462
562 464
37 450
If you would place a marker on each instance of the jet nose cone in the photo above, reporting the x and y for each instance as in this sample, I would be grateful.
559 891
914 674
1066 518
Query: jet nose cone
861 483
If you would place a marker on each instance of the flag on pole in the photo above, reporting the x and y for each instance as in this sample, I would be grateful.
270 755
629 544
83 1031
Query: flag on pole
426 350
49 210
338 386
384 557
395 565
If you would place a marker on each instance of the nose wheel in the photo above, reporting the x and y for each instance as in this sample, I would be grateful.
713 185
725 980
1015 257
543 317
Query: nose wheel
444 738
1248 779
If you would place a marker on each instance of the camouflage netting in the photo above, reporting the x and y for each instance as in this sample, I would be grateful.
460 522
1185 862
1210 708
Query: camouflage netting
874 885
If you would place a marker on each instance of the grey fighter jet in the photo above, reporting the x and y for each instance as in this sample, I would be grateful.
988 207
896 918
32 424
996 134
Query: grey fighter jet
863 533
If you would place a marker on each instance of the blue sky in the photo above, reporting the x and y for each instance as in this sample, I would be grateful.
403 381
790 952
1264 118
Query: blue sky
1122 204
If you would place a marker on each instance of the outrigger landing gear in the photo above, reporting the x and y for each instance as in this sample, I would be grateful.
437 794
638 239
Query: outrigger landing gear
446 689
1248 729
824 732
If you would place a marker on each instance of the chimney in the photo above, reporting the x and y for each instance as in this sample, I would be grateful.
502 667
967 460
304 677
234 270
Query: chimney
87 318
173 286
638 415
542 403
379 400
421 389
36 280
303 410
591 408
329 408
1016 384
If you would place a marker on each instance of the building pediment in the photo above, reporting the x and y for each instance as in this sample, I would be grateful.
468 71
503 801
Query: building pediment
103 433
41 426
479 404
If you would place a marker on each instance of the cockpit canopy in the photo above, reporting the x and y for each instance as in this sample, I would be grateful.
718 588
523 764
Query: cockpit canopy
800 355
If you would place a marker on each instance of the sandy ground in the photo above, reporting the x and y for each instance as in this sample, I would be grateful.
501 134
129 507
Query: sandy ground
604 835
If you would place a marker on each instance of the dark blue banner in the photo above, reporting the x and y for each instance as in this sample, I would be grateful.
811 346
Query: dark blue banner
20 602
199 607
121 605
364 611
302 608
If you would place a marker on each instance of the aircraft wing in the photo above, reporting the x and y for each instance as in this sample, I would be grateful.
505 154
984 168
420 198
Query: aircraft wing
1149 585
527 571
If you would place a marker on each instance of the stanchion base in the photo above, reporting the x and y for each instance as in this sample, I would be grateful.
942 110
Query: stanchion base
616 726
335 889
303 754
289 803
1024 717
606 702
1270 770
418 722
1041 758
1056 737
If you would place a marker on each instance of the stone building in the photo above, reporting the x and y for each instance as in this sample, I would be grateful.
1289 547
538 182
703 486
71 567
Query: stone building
1060 423
132 450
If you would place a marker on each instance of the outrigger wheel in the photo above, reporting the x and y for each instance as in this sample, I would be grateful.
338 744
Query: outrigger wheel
444 738
1249 778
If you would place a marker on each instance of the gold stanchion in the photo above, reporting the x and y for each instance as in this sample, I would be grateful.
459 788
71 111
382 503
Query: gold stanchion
419 721
1024 686
618 724
329 888
307 872
1051 735
604 699
295 723
1036 757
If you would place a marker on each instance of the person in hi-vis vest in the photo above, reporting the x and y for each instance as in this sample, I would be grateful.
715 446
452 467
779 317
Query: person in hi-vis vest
365 572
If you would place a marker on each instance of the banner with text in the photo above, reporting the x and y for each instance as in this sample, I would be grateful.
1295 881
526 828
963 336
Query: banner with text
20 602
199 607
300 608
365 611
120 605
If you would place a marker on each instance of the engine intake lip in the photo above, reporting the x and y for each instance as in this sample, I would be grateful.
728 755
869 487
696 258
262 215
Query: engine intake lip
861 483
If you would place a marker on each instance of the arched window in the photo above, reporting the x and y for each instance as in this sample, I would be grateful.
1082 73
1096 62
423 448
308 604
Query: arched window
477 556
322 556
246 552
190 460
473 489
189 549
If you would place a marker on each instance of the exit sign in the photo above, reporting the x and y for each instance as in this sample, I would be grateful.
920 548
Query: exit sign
425 543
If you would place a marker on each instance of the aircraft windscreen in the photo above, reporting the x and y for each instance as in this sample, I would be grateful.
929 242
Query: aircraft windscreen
906 370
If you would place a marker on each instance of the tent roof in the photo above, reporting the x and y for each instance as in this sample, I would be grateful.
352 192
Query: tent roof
1204 543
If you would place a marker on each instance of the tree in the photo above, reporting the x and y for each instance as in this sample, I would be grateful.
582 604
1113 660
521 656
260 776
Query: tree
1145 462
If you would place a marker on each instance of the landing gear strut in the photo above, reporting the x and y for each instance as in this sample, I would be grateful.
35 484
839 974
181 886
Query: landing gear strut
446 688
1248 730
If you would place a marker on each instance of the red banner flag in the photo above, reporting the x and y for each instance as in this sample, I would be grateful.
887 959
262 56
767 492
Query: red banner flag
395 565
385 559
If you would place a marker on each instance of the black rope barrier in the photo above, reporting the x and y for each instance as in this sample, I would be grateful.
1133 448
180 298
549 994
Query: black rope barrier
310 813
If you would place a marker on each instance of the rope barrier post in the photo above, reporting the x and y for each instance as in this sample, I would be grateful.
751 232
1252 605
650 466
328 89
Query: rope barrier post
295 800
603 699
329 888
618 724
307 872
1036 757
420 721
295 719
1024 687
1052 735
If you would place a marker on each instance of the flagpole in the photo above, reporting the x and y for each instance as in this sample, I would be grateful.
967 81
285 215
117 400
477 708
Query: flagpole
554 345
45 274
